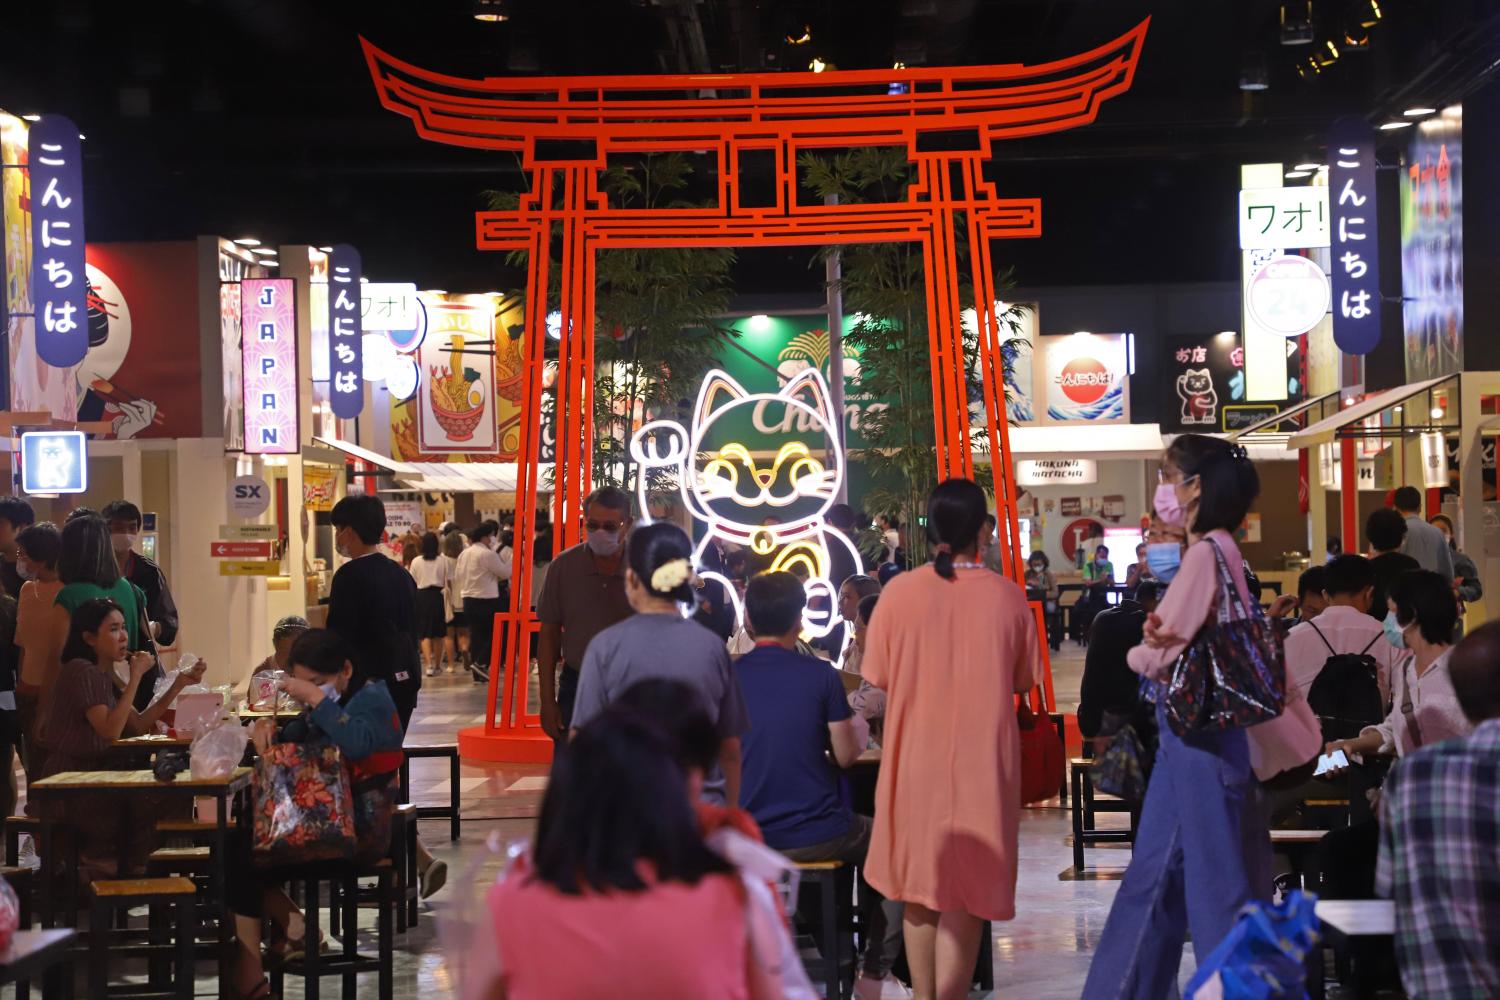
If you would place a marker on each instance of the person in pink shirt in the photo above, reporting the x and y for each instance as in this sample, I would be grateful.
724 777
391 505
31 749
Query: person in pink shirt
1202 849
621 896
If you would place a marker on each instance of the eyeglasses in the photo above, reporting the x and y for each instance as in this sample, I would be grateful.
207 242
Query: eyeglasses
1161 477
610 526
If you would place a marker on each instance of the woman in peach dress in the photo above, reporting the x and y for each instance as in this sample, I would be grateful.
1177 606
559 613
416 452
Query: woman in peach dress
953 643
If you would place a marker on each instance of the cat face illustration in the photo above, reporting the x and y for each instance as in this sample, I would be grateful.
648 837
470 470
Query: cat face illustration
790 481
1197 381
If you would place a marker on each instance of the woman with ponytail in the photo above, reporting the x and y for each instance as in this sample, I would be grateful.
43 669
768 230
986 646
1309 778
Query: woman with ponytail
657 642
952 645
1202 850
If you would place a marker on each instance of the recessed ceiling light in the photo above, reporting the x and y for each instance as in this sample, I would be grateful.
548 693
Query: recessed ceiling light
1390 126
248 241
81 137
326 249
1293 175
1419 112
1307 166
817 65
263 251
1437 413
437 291
490 11
32 118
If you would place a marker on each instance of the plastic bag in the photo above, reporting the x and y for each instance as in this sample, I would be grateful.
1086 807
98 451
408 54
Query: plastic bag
217 751
303 807
264 690
1264 956
10 914
163 684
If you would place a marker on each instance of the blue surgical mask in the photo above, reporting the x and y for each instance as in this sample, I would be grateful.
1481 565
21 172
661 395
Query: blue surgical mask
1164 558
1394 633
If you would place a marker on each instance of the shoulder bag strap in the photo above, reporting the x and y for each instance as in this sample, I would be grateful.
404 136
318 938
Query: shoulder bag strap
1409 711
1230 596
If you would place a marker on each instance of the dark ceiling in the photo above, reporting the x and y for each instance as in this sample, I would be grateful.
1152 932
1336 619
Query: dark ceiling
257 117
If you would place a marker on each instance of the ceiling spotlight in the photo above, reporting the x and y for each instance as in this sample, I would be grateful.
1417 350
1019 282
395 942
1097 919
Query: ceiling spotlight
1437 413
1296 22
1356 40
248 241
325 249
1307 166
1419 112
1253 72
1389 126
817 65
1371 15
491 11
31 118
263 251
81 137
1294 175
1326 56
801 39
437 291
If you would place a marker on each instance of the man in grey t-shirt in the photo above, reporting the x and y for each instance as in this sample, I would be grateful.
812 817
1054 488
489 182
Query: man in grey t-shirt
669 647
1424 542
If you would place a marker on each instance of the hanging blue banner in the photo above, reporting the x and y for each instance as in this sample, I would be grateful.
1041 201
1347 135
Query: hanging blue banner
346 386
60 287
1355 236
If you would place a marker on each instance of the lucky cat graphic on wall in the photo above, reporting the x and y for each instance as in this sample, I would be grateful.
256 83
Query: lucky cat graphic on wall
771 501
1200 403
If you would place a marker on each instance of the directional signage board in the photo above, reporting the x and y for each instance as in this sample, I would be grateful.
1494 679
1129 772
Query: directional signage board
267 567
248 532
239 550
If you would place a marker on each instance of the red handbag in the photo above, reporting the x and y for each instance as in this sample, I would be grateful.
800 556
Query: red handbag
1041 754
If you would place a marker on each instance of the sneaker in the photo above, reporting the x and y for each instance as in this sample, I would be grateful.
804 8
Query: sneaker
26 856
431 879
434 670
889 988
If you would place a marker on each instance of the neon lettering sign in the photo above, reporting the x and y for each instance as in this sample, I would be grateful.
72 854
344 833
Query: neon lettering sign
734 492
268 331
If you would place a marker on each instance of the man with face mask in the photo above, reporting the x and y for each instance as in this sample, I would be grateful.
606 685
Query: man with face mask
584 594
124 520
483 568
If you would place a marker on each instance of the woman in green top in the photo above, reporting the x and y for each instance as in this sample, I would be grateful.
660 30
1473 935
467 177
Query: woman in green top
87 568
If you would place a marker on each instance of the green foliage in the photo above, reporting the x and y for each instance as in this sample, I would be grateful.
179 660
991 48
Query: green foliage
884 285
656 312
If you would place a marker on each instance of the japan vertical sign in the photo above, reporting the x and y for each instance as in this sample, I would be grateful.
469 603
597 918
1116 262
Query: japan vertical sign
269 337
59 285
346 389
1355 256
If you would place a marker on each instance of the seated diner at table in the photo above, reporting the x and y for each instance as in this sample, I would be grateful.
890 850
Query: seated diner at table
90 707
355 714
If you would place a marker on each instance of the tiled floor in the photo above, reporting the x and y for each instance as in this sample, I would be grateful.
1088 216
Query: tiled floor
1043 954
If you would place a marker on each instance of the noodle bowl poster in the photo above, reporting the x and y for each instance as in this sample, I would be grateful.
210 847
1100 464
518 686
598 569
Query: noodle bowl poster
456 388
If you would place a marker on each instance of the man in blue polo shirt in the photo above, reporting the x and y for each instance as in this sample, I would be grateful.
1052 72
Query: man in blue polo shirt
798 714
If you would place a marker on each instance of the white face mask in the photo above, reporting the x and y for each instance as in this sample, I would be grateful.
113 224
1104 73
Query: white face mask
122 542
24 570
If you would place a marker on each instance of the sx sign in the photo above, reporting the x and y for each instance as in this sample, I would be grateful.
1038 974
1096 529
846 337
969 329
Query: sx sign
249 496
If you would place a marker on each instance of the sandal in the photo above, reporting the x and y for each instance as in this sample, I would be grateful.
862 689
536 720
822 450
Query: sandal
285 949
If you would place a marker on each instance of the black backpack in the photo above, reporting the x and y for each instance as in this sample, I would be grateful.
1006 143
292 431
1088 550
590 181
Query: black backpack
1345 696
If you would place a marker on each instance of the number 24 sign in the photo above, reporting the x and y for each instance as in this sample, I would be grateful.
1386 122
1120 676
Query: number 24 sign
1288 295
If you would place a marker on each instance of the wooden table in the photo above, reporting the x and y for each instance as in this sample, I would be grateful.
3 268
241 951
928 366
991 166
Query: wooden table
227 792
38 953
145 748
1343 919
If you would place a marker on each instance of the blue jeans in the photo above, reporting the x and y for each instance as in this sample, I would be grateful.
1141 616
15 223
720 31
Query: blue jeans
1201 853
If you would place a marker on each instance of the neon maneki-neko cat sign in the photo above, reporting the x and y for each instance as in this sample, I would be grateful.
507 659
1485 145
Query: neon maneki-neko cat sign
774 505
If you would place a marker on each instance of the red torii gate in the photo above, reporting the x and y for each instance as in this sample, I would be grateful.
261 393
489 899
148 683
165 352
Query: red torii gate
563 129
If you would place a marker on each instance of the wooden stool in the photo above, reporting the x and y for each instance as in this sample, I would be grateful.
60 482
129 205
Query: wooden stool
185 832
834 882
404 856
20 880
450 811
108 896
1084 805
347 962
1300 848
14 827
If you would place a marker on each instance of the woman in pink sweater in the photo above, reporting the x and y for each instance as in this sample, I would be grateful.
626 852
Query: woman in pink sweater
1202 850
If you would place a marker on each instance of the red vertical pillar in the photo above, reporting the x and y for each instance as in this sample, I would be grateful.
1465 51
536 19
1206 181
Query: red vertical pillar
1349 494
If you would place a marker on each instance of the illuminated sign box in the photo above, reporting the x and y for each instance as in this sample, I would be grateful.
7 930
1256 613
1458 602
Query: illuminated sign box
268 330
1284 218
54 462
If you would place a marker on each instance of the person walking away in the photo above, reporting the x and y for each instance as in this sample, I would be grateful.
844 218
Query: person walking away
36 563
1466 582
481 570
1202 849
1438 841
657 642
372 606
87 566
16 515
1424 542
789 784
1386 532
124 520
584 594
1110 690
457 641
620 868
430 573
952 645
